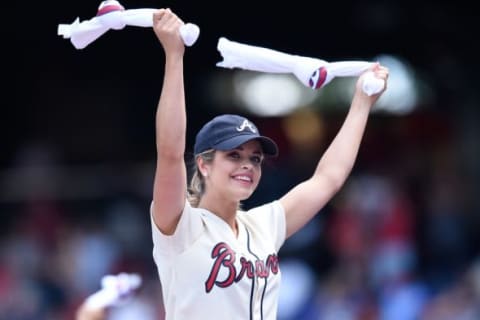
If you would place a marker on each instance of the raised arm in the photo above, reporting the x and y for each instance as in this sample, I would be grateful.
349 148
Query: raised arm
170 183
306 199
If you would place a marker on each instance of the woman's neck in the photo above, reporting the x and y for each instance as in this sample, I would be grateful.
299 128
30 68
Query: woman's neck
223 209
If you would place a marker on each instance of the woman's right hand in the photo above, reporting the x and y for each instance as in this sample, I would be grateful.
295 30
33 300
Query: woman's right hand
166 26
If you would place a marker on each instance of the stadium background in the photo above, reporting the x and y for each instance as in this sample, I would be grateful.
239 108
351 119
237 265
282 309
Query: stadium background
400 241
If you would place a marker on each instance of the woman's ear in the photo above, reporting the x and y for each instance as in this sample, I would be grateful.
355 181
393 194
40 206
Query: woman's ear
202 166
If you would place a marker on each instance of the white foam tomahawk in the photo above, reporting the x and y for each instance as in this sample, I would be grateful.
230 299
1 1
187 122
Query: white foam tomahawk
314 73
112 15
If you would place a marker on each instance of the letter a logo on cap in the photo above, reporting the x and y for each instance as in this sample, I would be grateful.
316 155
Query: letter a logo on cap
246 124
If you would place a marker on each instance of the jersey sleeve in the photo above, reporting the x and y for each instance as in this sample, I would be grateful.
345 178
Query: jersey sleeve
187 231
270 219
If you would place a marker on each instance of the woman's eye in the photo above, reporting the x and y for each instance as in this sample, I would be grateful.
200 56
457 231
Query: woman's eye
256 159
234 155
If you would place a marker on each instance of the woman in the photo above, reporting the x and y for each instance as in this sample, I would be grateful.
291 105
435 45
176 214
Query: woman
215 261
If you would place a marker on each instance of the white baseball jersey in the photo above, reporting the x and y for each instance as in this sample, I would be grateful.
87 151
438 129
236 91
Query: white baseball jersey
207 272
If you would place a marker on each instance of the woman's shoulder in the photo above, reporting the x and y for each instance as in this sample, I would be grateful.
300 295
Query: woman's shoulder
265 213
272 206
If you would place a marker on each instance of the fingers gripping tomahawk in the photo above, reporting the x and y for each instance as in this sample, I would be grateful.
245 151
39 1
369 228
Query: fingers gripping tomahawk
112 15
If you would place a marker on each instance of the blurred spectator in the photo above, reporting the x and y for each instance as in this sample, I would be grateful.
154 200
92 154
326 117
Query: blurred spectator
446 227
116 291
459 301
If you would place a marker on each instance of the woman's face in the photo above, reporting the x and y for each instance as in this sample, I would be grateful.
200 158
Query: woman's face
235 174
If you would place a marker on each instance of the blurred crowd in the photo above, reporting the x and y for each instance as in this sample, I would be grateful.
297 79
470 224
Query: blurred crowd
400 240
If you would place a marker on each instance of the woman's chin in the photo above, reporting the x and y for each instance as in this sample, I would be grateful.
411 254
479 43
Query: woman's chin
244 195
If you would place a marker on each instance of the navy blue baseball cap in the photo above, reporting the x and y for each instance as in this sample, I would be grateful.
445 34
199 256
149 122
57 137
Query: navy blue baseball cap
227 132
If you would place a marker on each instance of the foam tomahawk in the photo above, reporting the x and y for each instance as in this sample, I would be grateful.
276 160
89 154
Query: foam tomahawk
314 73
112 15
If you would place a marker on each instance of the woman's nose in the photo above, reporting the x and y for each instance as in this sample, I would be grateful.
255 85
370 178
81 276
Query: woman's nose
246 164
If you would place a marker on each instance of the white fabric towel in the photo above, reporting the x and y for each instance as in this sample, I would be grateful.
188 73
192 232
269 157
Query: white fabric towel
112 15
116 289
314 73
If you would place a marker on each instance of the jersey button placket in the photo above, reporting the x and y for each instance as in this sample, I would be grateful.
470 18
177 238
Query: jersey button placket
257 298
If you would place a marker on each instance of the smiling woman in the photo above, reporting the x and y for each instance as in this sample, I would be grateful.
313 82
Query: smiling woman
207 249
